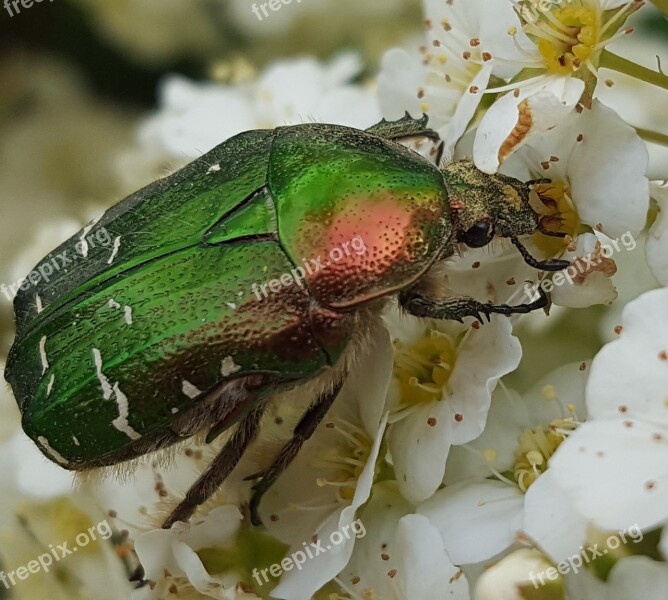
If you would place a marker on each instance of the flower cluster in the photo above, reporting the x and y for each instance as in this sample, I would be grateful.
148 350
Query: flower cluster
474 456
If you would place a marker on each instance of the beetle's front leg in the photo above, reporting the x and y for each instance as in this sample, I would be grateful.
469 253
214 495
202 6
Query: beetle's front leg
457 308
302 432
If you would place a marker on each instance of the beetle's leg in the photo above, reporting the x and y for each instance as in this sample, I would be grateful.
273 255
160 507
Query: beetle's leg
406 127
302 432
219 469
458 308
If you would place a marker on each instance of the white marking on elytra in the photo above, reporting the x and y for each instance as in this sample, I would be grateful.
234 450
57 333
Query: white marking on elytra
231 305
175 410
53 453
229 367
114 252
214 169
38 302
75 439
42 354
50 386
127 310
107 390
189 389
86 230
121 423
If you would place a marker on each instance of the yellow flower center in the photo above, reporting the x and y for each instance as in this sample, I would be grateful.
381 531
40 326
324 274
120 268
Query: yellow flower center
346 459
536 447
569 37
553 204
423 369
570 34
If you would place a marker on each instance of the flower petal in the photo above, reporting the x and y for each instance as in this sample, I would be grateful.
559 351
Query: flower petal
629 376
476 520
615 472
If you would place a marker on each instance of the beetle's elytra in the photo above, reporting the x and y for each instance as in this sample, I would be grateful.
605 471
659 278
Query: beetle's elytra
159 337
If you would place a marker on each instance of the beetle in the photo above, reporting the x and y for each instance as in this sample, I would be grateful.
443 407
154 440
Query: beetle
192 348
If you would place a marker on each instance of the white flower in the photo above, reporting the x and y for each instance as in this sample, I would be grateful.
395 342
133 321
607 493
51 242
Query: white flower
657 243
447 80
479 516
561 60
401 555
510 579
557 44
444 376
320 493
614 466
172 564
596 166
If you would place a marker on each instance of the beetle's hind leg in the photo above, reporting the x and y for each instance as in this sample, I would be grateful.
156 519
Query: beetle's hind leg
214 475
458 308
302 432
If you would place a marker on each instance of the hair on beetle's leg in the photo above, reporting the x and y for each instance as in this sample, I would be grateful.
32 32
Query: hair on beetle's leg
457 308
214 475
302 432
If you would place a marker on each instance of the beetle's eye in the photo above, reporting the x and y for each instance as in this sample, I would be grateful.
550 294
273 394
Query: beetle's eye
479 235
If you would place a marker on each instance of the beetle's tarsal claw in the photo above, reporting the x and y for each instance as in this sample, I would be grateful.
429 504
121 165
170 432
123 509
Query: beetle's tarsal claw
138 577
254 476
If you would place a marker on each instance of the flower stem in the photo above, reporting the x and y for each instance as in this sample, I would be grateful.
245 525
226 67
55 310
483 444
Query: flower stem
662 5
652 136
623 65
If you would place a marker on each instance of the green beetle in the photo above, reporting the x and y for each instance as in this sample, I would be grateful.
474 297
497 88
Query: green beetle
146 343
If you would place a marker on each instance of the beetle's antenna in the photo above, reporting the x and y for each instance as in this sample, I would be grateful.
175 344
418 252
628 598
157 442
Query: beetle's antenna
541 265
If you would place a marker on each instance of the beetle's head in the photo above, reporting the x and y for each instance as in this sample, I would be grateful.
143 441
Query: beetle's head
488 206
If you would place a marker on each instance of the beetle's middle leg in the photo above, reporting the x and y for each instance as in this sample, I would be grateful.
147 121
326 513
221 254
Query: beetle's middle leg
302 432
214 475
457 308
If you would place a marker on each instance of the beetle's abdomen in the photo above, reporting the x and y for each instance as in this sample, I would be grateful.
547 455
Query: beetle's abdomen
364 216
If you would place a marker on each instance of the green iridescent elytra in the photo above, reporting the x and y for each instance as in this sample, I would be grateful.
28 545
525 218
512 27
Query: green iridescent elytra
164 334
